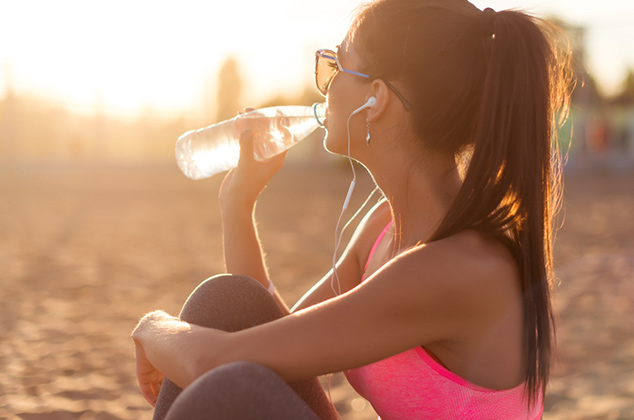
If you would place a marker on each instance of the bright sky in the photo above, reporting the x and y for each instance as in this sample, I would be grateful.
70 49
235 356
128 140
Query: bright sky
125 55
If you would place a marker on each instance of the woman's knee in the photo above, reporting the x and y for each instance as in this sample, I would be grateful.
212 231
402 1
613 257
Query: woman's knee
238 378
219 285
230 302
243 390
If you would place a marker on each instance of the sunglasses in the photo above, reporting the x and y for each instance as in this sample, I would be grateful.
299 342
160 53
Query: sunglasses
326 67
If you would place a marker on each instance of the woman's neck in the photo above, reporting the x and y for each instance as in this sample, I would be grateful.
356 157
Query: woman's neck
419 196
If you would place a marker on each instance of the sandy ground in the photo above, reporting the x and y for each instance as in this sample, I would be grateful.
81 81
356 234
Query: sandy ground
85 252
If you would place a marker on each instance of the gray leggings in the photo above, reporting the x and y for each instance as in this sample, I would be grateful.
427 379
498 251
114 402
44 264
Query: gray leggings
240 390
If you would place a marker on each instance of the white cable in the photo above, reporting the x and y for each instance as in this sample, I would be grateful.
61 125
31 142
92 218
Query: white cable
339 238
339 235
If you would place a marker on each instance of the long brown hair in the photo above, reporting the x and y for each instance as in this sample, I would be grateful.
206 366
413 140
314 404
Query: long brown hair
490 84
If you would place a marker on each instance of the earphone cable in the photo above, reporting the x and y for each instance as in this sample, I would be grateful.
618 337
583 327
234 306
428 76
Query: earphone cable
339 235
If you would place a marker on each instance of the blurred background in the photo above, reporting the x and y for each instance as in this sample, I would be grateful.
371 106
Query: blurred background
98 225
96 83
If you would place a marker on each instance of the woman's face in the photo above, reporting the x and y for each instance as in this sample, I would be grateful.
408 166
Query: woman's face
347 92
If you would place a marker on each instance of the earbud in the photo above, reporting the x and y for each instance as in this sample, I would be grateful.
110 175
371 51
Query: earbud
370 103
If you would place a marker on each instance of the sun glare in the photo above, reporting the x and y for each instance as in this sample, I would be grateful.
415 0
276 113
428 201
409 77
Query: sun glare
125 55
122 56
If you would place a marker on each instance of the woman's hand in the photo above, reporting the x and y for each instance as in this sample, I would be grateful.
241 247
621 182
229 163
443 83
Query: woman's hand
243 185
149 378
178 350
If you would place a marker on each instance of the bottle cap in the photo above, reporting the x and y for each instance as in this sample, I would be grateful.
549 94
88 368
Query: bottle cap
319 109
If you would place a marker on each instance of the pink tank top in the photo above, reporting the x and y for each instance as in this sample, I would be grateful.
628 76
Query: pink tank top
412 385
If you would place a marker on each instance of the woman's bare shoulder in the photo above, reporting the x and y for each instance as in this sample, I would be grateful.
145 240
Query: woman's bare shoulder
480 251
479 266
445 290
468 268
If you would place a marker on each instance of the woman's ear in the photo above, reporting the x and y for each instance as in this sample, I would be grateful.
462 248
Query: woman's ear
381 92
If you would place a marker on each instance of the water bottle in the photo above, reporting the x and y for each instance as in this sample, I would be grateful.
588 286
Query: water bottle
210 150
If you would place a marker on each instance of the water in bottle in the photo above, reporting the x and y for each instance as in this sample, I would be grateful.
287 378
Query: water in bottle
207 151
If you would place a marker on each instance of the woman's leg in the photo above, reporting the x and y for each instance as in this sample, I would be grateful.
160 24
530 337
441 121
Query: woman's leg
240 390
233 303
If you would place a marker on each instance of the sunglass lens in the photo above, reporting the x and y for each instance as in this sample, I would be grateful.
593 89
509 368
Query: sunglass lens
325 71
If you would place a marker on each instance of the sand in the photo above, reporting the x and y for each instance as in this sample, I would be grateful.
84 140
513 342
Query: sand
85 252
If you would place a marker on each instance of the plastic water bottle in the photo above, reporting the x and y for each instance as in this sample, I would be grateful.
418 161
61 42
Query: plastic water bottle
207 151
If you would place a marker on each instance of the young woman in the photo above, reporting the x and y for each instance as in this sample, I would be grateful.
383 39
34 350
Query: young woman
441 301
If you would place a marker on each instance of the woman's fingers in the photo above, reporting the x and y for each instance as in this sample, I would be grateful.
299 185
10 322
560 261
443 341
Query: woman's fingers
149 378
246 111
150 387
149 393
245 183
246 146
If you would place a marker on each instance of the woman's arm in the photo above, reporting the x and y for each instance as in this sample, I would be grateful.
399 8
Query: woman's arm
165 343
420 297
243 252
238 194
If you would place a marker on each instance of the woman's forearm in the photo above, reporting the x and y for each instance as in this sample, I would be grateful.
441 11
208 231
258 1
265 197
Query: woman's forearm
242 249
241 244
238 194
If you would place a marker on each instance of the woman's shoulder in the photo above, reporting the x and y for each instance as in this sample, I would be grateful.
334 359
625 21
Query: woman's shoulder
473 262
482 251
469 268
464 283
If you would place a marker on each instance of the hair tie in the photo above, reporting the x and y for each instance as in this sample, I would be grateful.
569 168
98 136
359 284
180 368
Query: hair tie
487 22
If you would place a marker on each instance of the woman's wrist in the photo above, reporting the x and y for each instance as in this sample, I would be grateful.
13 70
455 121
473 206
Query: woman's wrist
237 207
237 197
145 325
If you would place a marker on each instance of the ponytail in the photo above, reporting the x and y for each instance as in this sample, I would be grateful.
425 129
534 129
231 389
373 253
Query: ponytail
489 85
511 185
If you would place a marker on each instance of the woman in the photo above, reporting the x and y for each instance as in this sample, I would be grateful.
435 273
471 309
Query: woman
444 310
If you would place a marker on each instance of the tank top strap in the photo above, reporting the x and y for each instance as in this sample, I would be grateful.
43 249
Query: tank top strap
376 244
